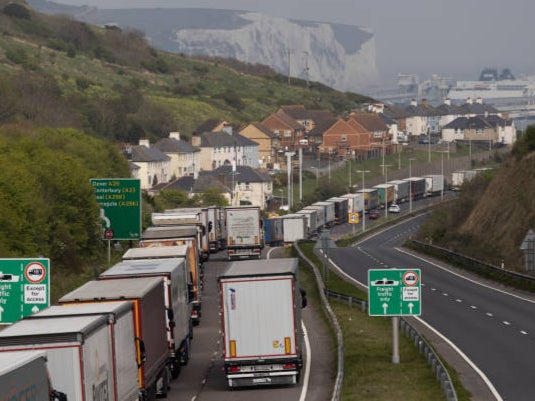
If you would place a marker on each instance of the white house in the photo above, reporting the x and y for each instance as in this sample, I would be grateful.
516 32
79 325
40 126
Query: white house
184 158
148 164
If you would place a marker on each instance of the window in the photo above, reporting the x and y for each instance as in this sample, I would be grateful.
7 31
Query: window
287 133
343 138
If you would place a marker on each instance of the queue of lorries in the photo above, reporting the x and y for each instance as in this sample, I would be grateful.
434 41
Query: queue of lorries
126 334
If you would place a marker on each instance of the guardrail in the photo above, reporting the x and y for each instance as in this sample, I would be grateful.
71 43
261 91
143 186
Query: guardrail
438 368
511 278
337 388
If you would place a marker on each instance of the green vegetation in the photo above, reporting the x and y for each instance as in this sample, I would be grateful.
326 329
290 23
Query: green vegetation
369 371
110 83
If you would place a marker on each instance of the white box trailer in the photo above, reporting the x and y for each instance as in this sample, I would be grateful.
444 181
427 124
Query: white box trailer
184 247
401 190
245 236
294 227
121 322
312 219
434 184
177 285
150 328
355 202
79 352
261 319
24 376
459 177
320 215
329 212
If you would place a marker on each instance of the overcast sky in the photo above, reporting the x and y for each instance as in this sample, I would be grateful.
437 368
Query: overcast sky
454 38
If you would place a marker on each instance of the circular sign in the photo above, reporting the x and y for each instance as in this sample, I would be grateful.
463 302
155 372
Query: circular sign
108 234
35 272
410 278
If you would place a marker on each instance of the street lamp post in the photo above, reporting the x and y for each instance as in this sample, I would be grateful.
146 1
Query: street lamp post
289 168
364 200
385 166
410 184
349 175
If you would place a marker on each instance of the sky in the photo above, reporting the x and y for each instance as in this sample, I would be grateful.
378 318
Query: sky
450 38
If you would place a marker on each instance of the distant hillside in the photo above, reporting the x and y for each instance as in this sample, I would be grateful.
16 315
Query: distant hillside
339 56
111 83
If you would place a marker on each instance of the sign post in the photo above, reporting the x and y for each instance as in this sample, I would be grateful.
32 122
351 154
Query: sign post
394 292
120 208
24 288
353 218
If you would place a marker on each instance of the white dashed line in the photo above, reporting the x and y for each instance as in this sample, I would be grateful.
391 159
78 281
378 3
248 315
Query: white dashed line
458 300
445 294
473 306
489 314
523 332
506 323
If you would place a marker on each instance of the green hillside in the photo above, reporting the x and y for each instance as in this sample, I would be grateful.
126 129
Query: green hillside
110 83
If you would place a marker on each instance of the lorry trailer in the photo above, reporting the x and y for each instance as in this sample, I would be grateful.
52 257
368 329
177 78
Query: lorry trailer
261 322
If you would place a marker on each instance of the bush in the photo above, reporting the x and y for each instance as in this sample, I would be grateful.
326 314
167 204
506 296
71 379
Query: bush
17 11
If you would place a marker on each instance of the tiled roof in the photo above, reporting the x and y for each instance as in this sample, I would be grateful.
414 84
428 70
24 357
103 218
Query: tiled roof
297 112
243 174
371 121
207 126
220 139
171 145
262 128
141 153
469 123
323 120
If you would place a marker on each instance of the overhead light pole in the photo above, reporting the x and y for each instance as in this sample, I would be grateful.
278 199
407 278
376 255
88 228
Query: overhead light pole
385 166
442 173
289 168
410 184
364 200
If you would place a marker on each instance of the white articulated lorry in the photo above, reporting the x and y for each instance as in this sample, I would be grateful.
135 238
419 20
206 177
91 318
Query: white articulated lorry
245 234
261 322
120 317
24 376
79 352
176 293
150 329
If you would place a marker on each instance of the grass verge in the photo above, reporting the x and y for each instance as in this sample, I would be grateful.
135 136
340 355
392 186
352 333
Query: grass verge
369 373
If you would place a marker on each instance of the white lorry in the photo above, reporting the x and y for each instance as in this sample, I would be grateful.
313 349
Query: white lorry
177 285
261 320
24 376
294 227
150 329
245 234
79 352
120 317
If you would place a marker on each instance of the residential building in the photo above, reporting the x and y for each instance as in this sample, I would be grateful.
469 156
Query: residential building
342 139
225 148
184 158
268 142
289 131
148 164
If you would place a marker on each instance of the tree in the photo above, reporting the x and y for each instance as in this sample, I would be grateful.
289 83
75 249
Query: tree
213 197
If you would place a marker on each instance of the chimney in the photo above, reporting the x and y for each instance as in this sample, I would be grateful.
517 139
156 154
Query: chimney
196 140
174 135
468 100
447 101
144 142
227 128
479 100
414 102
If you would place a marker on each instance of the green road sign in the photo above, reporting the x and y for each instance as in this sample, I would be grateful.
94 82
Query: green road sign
120 207
394 292
24 288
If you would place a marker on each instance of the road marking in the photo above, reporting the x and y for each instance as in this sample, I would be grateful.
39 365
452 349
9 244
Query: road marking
459 300
308 364
506 323
523 332
445 294
473 307
489 384
489 314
